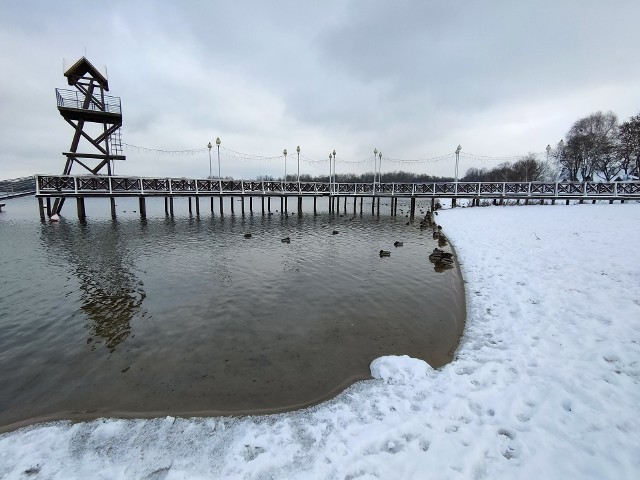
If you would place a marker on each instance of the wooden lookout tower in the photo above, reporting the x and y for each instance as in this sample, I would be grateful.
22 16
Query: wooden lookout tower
96 119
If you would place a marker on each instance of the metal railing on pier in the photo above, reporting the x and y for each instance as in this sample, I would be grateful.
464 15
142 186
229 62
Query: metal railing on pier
70 186
17 187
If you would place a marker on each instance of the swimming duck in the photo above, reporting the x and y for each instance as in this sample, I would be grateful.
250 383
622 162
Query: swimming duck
286 240
385 253
397 244
247 235
335 232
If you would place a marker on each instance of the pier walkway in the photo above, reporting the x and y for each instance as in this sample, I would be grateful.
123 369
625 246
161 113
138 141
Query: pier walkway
89 186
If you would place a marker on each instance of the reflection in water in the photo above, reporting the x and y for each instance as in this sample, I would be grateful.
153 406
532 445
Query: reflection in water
110 293
228 324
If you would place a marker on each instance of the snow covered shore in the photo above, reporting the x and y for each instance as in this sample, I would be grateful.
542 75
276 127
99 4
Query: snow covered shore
546 383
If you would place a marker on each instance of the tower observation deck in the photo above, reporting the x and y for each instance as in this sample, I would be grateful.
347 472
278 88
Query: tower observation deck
96 119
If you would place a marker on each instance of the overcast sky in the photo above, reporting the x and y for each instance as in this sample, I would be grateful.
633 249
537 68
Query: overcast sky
411 78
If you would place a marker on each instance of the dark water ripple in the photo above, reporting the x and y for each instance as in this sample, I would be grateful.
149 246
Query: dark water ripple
184 314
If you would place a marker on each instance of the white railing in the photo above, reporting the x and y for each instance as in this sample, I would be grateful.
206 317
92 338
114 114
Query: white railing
70 185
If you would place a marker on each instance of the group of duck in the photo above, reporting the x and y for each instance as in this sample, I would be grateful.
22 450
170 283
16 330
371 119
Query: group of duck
387 253
439 257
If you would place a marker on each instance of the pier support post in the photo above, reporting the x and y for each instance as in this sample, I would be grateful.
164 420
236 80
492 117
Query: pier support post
232 211
413 208
41 208
373 205
281 203
286 206
378 206
300 205
361 201
81 211
315 210
355 201
221 205
48 207
112 205
262 200
189 198
171 206
211 204
269 204
166 206
242 205
197 206
143 207
453 203
250 204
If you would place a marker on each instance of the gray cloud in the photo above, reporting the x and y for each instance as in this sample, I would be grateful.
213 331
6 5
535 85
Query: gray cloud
411 78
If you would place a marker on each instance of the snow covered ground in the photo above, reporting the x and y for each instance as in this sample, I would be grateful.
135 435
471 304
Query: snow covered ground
546 383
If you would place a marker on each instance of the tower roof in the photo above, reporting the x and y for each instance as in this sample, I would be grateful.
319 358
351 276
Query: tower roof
83 67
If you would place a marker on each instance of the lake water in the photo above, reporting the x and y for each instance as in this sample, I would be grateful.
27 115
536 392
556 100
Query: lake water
184 315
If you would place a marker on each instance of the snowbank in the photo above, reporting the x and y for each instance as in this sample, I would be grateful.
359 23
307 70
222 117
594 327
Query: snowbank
545 384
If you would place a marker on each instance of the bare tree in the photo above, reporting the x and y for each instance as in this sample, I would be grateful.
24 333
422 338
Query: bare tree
529 169
629 145
590 147
475 175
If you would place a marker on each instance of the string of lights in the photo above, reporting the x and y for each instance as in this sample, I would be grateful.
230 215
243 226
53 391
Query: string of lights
137 148
229 153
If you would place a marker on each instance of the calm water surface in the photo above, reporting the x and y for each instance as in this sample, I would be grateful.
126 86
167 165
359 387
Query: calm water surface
184 315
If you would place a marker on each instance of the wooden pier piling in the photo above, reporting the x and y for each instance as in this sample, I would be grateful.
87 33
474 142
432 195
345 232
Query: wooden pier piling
143 206
82 214
41 208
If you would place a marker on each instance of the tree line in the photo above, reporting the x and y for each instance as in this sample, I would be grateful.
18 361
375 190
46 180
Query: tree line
598 146
595 147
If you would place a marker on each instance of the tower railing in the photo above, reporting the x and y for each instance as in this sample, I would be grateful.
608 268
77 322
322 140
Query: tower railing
75 99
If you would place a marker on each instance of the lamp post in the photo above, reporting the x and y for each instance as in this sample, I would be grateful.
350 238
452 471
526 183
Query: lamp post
218 142
375 166
457 160
335 177
547 174
209 147
379 168
329 172
285 164
298 150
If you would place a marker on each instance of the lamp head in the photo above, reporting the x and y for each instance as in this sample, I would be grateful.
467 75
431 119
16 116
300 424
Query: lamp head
298 149
458 149
209 146
334 153
218 142
285 152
